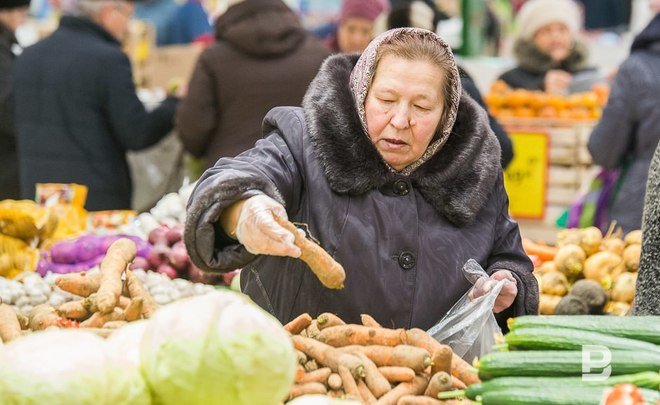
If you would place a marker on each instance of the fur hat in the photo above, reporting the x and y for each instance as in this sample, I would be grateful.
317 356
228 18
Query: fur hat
9 4
537 13
367 9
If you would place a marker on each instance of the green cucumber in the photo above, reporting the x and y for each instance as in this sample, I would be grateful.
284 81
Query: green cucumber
645 328
647 379
530 338
553 396
561 363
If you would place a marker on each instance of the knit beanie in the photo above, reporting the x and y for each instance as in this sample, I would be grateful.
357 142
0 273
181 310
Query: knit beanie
366 9
9 4
537 13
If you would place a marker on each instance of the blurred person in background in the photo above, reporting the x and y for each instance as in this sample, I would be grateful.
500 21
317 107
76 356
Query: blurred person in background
77 112
175 23
629 130
419 14
12 14
262 58
547 49
355 26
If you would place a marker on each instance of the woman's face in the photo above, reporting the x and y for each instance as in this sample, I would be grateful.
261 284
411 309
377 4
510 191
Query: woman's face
354 34
555 40
403 108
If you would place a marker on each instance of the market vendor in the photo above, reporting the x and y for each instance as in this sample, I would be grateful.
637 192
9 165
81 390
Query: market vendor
393 169
547 50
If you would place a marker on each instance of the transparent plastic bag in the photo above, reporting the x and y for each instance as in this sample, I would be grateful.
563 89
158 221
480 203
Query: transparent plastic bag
469 327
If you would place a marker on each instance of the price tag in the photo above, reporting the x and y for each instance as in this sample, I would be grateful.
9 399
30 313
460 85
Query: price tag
526 177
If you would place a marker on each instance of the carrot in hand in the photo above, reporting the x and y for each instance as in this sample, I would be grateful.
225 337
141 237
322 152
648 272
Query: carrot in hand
329 272
327 320
120 254
298 324
396 375
345 335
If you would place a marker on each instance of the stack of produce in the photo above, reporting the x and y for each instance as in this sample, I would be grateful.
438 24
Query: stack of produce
23 227
587 273
544 363
504 102
372 364
219 348
107 299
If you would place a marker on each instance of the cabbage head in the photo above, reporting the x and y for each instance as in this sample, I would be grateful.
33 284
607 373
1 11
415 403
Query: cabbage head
217 349
123 349
58 367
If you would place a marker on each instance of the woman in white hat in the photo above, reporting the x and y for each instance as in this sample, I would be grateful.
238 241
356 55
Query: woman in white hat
547 50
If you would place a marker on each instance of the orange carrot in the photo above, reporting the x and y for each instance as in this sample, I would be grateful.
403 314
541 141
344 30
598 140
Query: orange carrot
459 367
321 376
44 316
82 284
329 272
298 324
134 310
338 394
310 388
311 366
412 357
302 358
378 385
418 400
97 320
119 255
136 289
327 320
10 327
74 310
396 375
328 355
312 330
367 396
457 384
545 253
367 320
442 359
345 335
414 387
440 382
334 382
348 382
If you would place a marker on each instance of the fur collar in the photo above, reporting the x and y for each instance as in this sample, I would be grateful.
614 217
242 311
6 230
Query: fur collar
530 58
456 181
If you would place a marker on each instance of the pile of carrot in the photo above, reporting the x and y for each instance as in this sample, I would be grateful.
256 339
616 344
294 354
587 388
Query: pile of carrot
374 365
108 301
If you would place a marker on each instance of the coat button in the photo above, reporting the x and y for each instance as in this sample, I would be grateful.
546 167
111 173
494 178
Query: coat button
407 260
401 187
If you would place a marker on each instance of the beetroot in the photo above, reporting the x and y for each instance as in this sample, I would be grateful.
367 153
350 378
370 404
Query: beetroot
174 234
158 236
158 255
168 270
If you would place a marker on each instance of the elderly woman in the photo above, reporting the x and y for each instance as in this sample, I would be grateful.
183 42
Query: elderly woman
397 174
546 49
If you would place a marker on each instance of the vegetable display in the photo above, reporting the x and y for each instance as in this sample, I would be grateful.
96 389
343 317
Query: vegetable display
587 272
372 364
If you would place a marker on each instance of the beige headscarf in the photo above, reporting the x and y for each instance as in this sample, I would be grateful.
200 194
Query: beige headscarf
363 74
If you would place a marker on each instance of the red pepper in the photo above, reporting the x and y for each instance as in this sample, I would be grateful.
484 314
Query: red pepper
624 394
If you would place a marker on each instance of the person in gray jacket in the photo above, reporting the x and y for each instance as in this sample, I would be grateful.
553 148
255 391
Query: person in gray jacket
394 170
629 129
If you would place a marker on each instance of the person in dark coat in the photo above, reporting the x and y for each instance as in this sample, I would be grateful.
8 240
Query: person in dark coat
12 14
629 129
395 172
547 50
77 112
647 288
420 15
261 58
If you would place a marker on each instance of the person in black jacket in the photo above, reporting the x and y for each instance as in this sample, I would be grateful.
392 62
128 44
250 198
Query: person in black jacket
12 14
77 112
